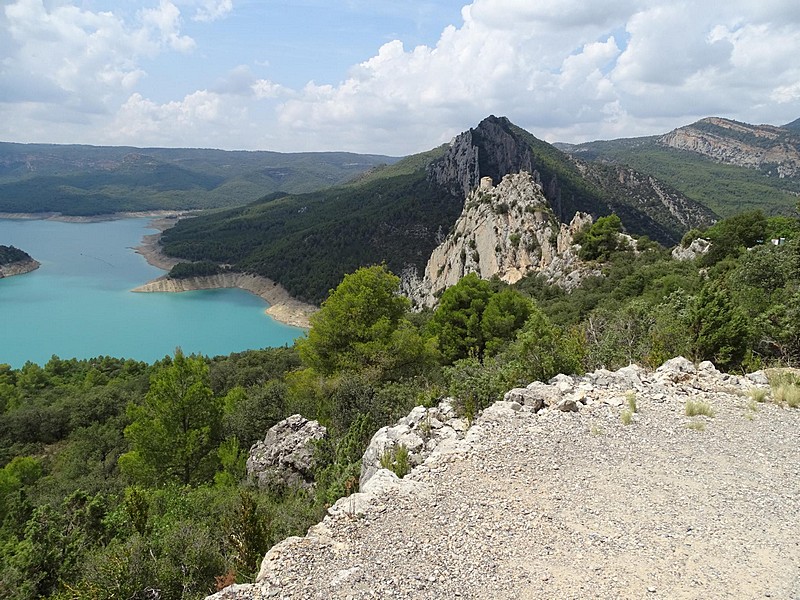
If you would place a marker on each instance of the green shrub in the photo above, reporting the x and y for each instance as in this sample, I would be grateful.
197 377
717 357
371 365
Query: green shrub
396 460
698 407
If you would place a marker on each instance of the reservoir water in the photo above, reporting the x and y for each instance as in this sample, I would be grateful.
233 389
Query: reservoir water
79 304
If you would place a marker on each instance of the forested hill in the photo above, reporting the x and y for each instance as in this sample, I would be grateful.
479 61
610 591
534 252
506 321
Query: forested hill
725 165
399 214
90 180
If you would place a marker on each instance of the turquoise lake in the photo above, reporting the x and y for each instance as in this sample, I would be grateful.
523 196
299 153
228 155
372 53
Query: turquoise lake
79 304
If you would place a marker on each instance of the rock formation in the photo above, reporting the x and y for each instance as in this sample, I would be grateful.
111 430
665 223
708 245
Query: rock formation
508 231
698 247
419 433
14 261
551 494
286 456
18 268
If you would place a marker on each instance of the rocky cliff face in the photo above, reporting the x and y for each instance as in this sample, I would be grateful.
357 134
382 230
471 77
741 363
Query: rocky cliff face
489 150
508 231
774 150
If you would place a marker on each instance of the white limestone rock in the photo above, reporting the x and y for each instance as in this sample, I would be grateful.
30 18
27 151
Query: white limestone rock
286 456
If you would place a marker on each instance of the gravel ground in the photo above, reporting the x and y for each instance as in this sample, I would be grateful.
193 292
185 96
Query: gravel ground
575 505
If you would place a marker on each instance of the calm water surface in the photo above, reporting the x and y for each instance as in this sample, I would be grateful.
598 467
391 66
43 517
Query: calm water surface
79 303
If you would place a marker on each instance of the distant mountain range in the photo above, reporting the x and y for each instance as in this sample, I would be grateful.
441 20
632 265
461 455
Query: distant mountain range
91 180
725 165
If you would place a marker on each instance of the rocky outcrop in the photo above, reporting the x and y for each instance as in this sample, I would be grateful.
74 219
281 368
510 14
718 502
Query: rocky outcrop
286 456
551 494
283 307
698 247
507 231
19 267
419 433
14 261
774 150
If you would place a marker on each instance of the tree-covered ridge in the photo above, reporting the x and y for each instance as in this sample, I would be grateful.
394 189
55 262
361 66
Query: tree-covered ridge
725 189
10 254
308 242
90 180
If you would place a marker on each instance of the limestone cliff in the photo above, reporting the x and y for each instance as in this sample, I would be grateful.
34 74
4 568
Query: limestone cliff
508 231
774 150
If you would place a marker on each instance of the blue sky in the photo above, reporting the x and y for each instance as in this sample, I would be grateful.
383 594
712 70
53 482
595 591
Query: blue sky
385 76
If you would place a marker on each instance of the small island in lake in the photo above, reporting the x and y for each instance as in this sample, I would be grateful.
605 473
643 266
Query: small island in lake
14 261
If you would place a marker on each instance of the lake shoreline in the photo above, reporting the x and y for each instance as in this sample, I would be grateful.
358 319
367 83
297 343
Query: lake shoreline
57 216
283 307
19 267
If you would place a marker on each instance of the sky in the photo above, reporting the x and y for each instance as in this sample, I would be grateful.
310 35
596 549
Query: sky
387 76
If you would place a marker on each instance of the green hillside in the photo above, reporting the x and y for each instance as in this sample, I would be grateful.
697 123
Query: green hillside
89 180
725 189
308 241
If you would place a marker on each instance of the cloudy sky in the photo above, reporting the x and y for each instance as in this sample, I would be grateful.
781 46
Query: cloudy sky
386 76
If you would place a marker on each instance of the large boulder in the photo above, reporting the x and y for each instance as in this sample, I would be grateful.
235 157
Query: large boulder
286 456
419 432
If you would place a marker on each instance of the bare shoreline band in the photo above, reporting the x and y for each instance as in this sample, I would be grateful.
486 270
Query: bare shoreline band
282 306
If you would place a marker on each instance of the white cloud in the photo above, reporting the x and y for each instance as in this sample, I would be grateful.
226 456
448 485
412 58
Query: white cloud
200 115
79 59
566 70
212 10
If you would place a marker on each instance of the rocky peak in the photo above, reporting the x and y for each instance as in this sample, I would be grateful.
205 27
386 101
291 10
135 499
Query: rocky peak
491 149
508 231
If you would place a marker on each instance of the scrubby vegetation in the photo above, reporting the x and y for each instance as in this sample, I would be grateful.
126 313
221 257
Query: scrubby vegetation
120 479
10 254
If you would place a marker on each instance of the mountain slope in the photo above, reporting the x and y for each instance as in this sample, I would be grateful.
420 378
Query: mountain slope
400 213
308 242
726 166
86 180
